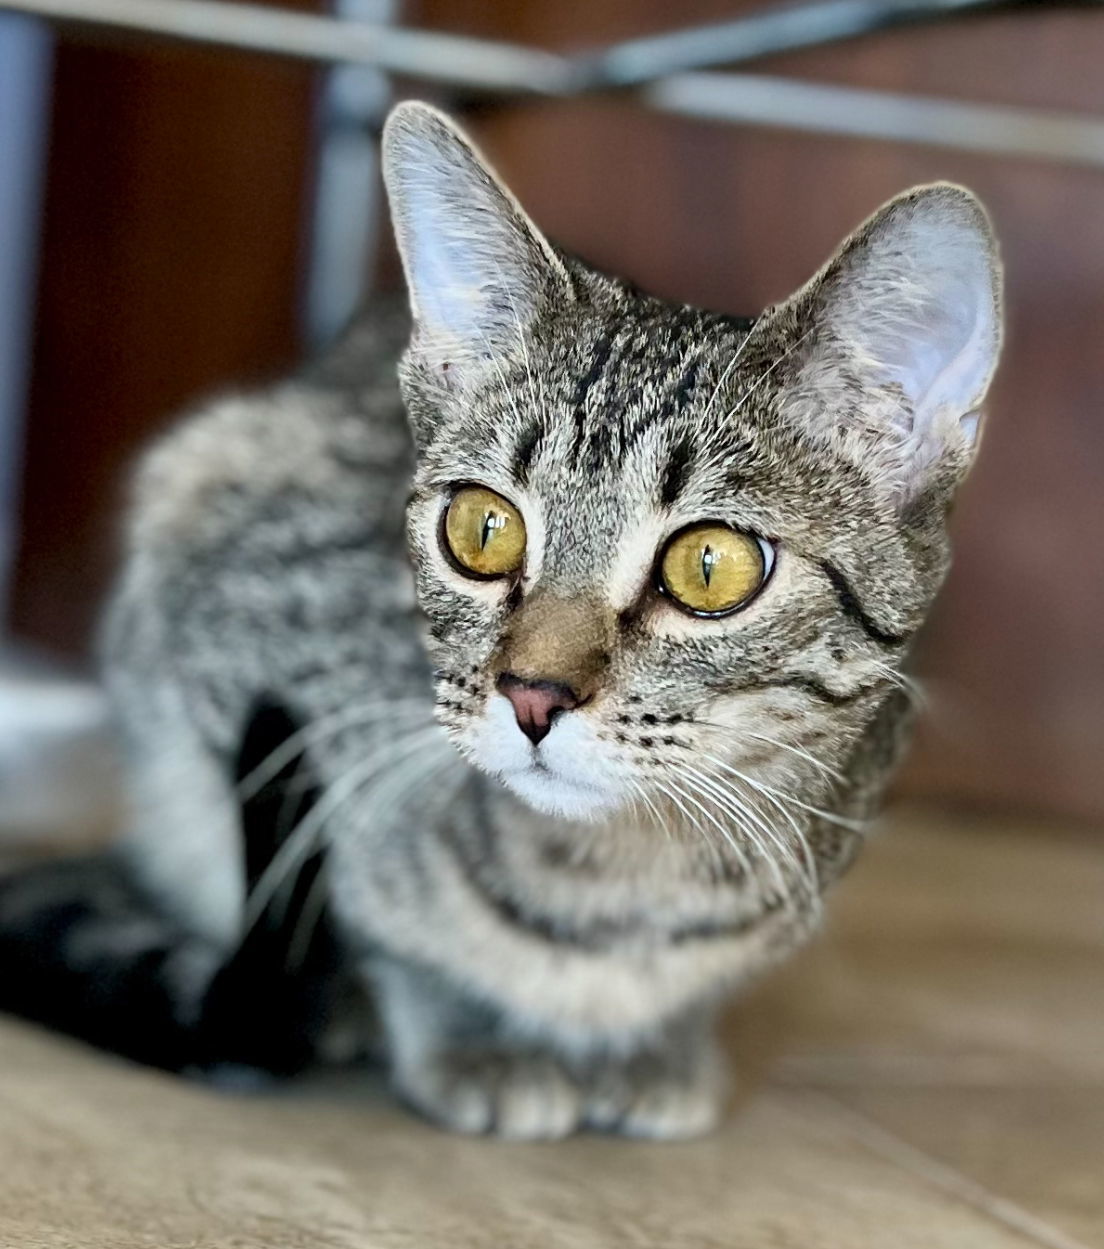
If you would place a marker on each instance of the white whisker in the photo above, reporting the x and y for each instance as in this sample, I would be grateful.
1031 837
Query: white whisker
681 809
329 725
902 681
855 826
725 374
751 830
726 833
763 376
798 832
395 787
737 732
295 849
314 907
804 862
315 903
654 811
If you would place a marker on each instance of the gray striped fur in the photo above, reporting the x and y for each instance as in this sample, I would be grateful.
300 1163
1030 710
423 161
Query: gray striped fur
548 946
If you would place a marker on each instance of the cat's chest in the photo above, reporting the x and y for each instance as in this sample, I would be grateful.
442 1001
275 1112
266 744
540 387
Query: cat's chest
600 956
602 891
585 948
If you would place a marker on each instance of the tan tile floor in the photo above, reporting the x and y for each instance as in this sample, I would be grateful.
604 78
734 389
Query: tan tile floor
930 1076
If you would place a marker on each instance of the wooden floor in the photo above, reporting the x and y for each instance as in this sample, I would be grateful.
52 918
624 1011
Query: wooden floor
930 1076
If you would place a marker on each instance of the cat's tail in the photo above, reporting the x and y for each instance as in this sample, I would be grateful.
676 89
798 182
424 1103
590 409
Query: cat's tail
85 950
82 950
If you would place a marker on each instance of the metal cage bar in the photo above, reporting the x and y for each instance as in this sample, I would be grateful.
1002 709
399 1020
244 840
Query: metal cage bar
655 67
479 64
785 29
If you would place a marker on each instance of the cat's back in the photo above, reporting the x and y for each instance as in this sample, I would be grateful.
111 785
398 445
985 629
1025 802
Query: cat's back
331 435
268 515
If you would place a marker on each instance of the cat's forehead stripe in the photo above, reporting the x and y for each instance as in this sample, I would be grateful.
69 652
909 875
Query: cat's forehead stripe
631 379
526 451
677 471
641 374
603 349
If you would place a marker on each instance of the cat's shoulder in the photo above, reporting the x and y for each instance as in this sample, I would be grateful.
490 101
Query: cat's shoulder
338 421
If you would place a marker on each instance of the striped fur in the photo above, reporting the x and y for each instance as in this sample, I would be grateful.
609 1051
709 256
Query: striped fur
547 931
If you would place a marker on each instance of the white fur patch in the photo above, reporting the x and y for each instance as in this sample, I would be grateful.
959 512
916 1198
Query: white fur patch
570 773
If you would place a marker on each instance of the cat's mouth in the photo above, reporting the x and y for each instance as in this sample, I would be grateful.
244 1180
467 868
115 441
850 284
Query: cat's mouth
565 773
557 793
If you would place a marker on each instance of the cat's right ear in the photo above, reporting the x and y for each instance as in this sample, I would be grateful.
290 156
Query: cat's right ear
478 271
895 341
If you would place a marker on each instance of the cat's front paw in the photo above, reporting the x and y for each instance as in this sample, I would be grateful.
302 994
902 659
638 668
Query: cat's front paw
520 1097
672 1111
672 1096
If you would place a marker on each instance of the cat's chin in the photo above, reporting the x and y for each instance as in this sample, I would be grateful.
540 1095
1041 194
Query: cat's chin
551 794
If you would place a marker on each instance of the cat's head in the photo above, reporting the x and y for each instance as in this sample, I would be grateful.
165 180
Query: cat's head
665 553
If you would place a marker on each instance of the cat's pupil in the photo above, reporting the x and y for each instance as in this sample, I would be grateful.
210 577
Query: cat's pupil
491 522
708 560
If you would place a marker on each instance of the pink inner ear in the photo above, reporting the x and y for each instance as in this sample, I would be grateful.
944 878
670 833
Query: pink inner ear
946 354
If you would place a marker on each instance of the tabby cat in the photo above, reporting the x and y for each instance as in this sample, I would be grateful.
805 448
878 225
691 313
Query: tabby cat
545 728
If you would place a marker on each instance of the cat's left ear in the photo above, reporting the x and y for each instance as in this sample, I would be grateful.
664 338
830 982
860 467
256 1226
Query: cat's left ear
896 339
478 271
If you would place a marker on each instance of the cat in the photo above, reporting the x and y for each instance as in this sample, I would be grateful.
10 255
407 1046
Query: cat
539 717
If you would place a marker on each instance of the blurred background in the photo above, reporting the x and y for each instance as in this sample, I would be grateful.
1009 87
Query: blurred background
178 217
189 201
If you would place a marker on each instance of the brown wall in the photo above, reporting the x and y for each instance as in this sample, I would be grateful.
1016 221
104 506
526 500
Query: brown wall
175 195
171 264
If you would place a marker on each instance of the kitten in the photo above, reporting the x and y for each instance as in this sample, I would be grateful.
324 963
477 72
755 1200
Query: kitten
591 769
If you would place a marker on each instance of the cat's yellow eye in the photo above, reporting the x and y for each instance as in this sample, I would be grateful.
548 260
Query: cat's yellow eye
484 533
712 569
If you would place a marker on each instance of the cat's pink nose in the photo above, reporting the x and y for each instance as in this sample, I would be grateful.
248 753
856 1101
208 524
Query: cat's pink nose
536 703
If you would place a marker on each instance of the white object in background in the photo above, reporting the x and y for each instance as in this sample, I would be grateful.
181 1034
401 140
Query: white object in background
59 783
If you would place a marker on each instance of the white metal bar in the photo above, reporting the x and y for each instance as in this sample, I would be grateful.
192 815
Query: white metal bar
451 59
488 66
783 29
784 102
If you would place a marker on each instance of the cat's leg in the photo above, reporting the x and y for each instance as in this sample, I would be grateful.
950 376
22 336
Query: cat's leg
183 834
450 1061
672 1087
211 834
461 1065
